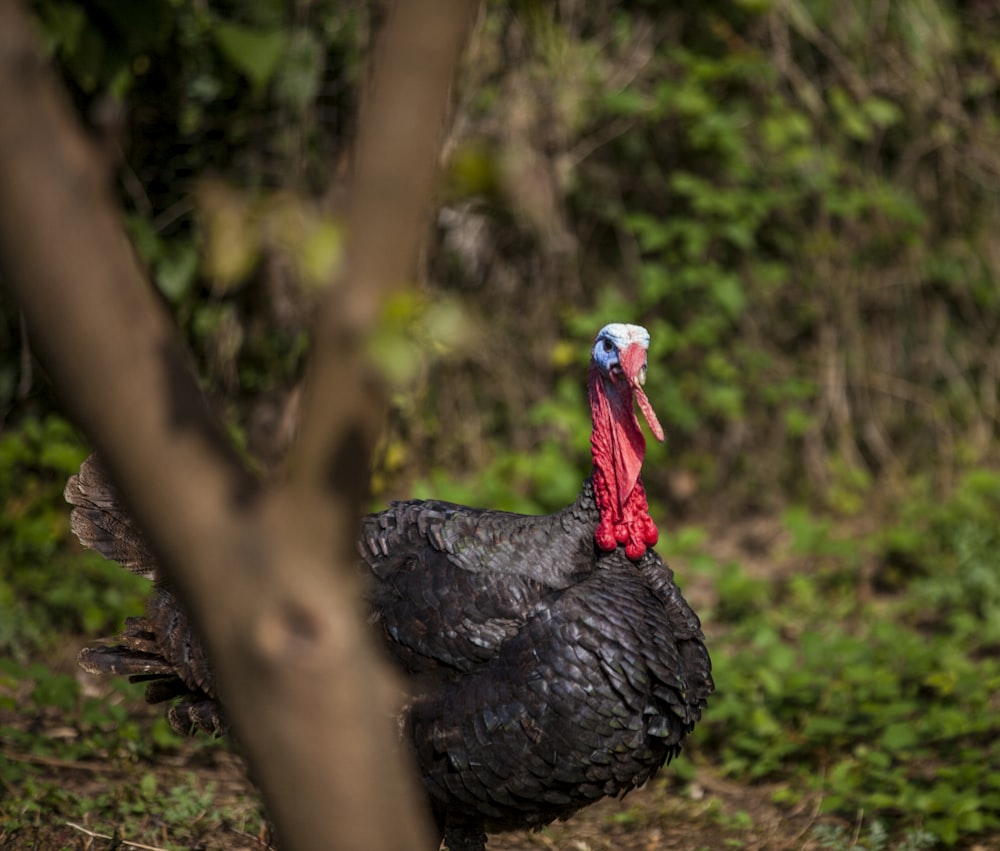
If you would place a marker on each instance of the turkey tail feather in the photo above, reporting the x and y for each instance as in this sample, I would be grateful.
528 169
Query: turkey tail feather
101 523
121 661
160 649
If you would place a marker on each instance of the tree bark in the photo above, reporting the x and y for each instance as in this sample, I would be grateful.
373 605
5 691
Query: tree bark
267 573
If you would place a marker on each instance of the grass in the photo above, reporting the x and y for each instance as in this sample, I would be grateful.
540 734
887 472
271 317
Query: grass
76 769
76 766
876 688
875 838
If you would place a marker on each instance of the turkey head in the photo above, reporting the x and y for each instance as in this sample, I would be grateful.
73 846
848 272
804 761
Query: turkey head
617 374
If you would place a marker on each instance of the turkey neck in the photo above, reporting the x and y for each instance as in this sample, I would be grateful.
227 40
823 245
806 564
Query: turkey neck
618 448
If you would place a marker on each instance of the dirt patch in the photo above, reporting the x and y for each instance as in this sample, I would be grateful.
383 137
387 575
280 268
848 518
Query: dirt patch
707 813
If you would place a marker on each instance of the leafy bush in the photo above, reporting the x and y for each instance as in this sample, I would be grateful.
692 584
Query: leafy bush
877 838
47 586
753 182
950 551
775 191
885 702
184 94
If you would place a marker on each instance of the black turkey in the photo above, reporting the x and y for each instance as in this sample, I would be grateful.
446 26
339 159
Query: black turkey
551 661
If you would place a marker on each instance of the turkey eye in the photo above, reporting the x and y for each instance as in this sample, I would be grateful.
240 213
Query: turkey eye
608 345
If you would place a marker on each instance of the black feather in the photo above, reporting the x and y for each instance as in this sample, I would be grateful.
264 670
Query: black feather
544 673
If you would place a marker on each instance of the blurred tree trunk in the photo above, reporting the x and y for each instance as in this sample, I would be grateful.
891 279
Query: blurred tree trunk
267 573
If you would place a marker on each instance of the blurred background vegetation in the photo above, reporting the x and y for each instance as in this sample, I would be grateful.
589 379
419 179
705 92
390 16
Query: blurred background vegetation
799 198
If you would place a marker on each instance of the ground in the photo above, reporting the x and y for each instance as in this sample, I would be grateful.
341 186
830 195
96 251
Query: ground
104 791
192 783
707 812
195 781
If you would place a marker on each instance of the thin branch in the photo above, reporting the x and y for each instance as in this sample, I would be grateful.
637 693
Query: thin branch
397 155
128 843
54 762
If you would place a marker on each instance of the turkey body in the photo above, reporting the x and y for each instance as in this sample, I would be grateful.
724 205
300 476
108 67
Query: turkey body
543 674
543 679
549 661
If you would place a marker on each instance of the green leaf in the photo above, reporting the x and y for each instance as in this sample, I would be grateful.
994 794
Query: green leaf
63 24
177 269
147 786
255 53
899 736
882 112
728 293
298 78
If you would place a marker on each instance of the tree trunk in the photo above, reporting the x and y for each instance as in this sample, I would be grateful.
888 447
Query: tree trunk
267 573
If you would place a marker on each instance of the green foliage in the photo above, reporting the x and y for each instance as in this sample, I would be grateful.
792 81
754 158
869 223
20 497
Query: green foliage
881 718
716 256
777 199
837 838
101 59
46 586
753 182
256 92
54 727
255 53
884 705
947 554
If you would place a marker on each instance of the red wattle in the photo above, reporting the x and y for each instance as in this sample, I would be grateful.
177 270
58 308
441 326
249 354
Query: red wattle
618 448
605 538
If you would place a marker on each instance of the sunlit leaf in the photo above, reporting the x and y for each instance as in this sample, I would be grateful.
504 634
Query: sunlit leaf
255 53
231 242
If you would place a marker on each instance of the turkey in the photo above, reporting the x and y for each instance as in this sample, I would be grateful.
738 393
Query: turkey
550 661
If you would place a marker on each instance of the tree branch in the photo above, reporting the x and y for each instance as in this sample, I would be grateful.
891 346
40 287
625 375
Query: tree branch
396 158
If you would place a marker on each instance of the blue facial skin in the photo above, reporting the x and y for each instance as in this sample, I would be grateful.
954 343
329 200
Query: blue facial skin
613 339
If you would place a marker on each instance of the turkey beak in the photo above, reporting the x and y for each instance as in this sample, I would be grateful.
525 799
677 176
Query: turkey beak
633 364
